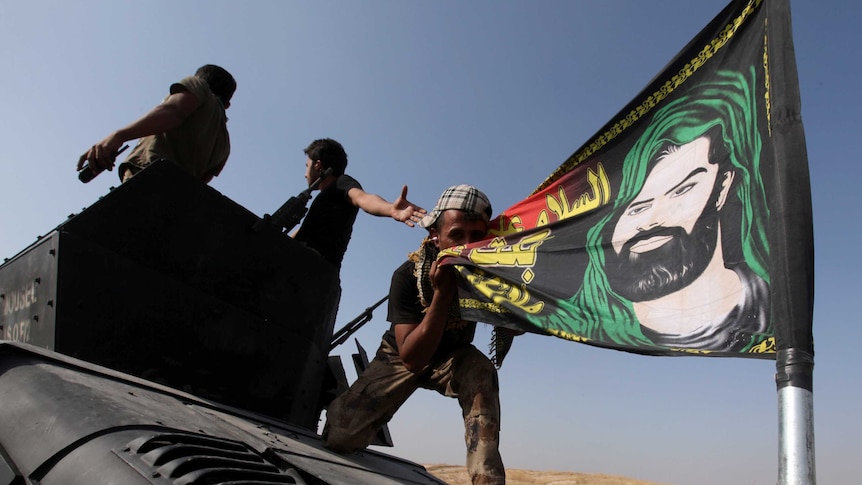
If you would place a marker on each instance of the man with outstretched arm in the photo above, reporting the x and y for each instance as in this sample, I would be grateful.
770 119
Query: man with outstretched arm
329 223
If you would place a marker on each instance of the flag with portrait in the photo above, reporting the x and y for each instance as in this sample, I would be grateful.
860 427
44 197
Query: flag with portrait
683 227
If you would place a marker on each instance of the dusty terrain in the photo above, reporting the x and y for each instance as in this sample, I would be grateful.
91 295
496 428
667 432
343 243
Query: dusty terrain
457 475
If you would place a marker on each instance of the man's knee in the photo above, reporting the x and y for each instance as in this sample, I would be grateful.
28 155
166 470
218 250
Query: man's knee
475 374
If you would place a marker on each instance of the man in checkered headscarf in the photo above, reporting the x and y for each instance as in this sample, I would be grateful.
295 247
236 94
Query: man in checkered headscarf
428 345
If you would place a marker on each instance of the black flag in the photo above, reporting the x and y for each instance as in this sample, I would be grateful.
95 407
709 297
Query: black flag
683 227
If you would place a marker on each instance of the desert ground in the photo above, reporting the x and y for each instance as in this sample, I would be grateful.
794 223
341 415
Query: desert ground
457 475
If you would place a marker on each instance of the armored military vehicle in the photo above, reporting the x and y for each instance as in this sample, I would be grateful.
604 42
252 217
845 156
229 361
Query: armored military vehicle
160 336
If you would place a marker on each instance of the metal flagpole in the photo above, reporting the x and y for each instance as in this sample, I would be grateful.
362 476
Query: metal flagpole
795 417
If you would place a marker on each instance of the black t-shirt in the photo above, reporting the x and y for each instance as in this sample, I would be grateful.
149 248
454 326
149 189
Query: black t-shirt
404 307
329 223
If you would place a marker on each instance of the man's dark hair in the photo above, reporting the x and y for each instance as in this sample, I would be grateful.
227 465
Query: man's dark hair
221 83
330 153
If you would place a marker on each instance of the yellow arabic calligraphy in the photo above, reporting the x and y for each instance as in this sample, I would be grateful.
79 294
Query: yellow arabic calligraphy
508 225
601 194
500 291
521 254
598 194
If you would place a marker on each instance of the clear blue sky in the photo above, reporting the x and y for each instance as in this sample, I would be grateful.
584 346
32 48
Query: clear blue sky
430 94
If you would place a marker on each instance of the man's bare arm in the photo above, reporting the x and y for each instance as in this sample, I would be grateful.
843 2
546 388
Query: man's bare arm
166 116
401 210
418 342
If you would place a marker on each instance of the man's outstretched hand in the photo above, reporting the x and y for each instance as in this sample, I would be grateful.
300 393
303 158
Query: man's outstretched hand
405 211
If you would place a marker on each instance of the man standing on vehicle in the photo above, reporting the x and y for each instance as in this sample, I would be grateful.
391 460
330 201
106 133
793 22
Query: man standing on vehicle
189 128
328 226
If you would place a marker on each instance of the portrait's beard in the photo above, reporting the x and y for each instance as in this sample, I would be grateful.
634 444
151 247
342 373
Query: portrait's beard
666 269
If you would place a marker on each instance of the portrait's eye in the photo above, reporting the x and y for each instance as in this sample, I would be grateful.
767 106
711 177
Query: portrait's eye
633 211
682 190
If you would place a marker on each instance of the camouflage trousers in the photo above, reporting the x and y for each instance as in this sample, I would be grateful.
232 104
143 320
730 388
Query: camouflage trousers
354 417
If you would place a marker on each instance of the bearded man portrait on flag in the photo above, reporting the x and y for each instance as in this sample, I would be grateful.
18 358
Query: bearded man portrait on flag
681 259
